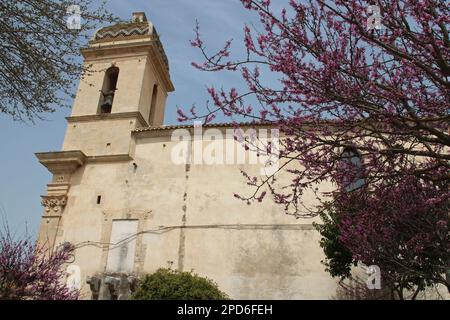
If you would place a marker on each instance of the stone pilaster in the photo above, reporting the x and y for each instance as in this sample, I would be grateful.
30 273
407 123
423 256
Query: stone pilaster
62 165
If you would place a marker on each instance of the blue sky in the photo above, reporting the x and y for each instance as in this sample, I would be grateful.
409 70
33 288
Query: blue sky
23 179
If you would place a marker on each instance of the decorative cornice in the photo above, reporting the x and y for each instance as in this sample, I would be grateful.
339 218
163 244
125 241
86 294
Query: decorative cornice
159 45
208 125
166 130
125 30
67 162
61 162
109 116
130 31
54 205
161 64
58 188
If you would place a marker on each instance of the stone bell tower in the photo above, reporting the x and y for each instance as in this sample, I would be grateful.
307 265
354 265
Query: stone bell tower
125 89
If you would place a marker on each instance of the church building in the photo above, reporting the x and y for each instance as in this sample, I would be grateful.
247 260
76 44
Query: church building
128 208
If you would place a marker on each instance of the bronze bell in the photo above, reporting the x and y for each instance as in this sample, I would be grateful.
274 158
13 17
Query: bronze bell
107 101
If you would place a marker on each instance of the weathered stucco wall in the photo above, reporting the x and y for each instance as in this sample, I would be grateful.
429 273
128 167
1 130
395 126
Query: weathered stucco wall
189 218
97 137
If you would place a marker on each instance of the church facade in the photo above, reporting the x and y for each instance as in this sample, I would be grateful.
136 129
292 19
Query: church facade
118 196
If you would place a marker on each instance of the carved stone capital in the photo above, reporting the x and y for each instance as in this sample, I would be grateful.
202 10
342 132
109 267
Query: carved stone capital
54 205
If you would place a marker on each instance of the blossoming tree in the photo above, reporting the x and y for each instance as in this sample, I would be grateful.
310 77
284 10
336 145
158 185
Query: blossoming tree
30 272
365 78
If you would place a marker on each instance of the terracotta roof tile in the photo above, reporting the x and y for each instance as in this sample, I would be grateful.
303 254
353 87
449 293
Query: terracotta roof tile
209 125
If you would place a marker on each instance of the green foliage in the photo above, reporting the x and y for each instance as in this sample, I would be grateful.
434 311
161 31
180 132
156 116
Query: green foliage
167 284
338 259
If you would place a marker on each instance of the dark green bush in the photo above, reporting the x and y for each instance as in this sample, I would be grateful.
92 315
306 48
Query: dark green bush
167 284
338 259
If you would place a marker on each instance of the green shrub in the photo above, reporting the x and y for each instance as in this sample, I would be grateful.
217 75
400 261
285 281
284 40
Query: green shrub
338 259
167 284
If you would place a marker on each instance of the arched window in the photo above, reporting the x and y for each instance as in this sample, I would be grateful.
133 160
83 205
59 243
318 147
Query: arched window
108 89
151 117
352 169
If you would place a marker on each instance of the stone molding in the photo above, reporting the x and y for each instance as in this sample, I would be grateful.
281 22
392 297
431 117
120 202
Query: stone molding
109 158
60 162
109 116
